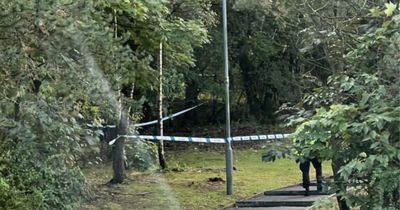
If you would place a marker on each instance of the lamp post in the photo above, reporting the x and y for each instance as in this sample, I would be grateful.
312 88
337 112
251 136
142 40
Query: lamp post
228 150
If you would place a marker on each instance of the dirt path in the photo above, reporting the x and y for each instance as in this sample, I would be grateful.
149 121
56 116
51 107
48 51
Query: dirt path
145 191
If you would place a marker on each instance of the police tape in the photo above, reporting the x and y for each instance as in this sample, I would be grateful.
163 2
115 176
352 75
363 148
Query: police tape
209 140
167 117
150 122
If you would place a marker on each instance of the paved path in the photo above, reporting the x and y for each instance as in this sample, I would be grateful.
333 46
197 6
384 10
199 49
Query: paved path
287 198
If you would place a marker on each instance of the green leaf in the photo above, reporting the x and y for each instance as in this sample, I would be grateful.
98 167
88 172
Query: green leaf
390 7
374 12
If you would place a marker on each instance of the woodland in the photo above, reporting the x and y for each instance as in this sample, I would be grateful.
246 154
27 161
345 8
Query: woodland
74 74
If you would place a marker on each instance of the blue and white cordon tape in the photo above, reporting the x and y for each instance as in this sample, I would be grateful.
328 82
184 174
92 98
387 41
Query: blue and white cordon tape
167 117
150 122
190 139
205 139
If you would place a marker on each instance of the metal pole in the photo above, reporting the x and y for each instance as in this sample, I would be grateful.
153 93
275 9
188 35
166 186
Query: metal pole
228 151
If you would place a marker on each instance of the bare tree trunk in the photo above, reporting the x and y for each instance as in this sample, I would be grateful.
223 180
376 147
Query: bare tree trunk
161 154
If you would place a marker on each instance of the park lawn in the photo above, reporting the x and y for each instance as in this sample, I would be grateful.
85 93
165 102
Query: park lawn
186 184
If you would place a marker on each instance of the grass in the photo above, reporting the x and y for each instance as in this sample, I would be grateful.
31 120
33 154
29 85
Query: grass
186 185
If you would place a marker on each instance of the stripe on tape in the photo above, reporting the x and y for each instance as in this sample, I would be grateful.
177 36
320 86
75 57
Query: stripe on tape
254 138
267 137
236 138
245 138
208 140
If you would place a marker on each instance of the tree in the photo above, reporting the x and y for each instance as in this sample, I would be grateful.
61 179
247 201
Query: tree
55 54
357 127
259 62
144 24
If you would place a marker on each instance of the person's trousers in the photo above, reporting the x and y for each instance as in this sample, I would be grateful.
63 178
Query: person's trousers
305 169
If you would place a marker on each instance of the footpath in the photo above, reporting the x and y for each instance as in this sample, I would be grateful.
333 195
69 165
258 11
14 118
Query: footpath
287 198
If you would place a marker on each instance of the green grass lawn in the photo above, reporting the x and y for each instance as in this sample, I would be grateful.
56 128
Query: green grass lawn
186 185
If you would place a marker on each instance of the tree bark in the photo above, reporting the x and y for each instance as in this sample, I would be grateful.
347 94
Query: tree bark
161 155
118 151
337 163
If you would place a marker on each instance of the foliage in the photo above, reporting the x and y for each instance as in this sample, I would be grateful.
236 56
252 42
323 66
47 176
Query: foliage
53 62
178 25
148 25
358 126
42 184
141 154
279 50
262 62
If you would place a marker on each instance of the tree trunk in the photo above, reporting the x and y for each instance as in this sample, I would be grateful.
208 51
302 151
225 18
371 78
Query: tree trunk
119 152
337 163
161 155
213 116
105 149
260 105
191 94
246 70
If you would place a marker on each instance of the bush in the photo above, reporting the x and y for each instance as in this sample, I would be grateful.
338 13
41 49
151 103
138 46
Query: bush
359 127
31 181
141 155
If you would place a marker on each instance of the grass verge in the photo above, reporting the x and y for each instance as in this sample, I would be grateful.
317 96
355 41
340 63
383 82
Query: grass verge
195 180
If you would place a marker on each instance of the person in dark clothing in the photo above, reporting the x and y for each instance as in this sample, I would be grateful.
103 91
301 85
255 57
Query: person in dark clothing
305 170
